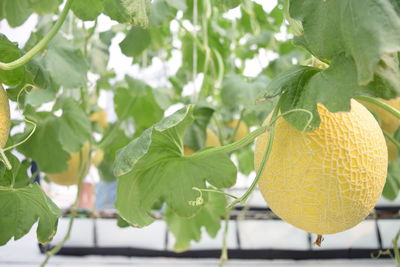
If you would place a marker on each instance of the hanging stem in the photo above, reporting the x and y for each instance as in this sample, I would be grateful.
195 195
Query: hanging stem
5 159
83 167
224 251
42 44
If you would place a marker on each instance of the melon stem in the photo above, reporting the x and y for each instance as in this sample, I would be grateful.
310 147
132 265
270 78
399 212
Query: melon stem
318 241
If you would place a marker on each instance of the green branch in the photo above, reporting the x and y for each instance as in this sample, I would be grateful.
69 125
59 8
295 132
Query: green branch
42 44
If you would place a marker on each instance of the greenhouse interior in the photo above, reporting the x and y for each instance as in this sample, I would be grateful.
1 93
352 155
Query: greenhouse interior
199 133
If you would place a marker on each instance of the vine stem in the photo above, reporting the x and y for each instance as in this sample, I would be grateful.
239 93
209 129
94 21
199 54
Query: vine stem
5 159
380 104
73 210
224 251
41 44
391 139
396 248
268 150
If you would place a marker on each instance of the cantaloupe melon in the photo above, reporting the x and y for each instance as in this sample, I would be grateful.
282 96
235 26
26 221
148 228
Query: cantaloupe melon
4 117
241 131
211 140
328 180
71 176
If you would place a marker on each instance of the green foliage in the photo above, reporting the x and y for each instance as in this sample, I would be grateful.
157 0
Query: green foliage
24 204
60 87
153 167
187 229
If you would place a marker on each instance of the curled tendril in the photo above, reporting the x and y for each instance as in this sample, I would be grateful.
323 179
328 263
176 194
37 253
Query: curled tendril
19 109
199 200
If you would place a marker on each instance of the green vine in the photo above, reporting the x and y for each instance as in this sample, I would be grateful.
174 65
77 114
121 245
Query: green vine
42 44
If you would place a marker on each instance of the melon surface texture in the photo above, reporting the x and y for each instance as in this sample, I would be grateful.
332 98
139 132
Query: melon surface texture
328 180
4 117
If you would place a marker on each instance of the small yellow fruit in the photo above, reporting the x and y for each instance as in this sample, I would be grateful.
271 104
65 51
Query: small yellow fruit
71 176
98 157
389 123
328 180
211 140
5 122
242 130
100 118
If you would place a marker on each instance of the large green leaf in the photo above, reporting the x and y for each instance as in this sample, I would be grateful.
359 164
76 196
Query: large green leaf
303 87
116 11
152 168
88 9
135 42
10 52
364 30
65 63
16 11
137 102
20 208
187 229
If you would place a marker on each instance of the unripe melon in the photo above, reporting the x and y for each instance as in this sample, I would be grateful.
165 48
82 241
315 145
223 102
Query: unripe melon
389 123
211 140
328 180
71 176
4 117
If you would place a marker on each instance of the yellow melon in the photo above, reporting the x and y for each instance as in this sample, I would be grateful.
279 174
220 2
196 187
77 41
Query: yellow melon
328 180
98 157
389 123
242 130
211 140
100 118
71 176
4 117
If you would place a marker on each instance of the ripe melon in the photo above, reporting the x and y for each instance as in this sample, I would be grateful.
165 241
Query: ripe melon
328 180
100 117
98 157
389 123
4 117
211 140
242 129
71 176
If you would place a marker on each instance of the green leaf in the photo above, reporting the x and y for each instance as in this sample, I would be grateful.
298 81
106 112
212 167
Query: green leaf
44 146
66 64
160 13
21 208
227 4
43 7
88 9
74 127
187 229
196 134
245 158
138 11
132 101
236 92
116 11
17 177
178 4
16 12
152 168
135 42
363 30
303 87
392 185
10 52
